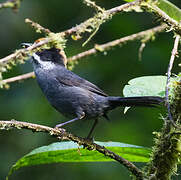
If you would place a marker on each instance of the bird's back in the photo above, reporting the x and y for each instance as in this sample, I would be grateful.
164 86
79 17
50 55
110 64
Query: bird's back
70 94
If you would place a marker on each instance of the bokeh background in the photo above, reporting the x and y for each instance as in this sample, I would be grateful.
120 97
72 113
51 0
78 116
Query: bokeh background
25 102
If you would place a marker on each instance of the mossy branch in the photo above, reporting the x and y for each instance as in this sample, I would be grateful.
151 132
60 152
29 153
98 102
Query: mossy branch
166 151
97 49
152 7
14 4
91 25
62 134
58 40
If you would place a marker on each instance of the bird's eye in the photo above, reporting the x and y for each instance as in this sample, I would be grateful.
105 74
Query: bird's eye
25 45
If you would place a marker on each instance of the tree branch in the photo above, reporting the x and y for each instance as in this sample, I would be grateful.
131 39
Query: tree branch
81 27
62 134
109 45
172 58
166 151
96 49
112 12
23 52
174 25
37 26
171 22
18 78
14 4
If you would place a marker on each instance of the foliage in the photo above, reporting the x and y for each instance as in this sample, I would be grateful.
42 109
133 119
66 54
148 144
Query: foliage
169 136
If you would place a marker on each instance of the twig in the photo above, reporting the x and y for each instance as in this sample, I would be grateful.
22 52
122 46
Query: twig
37 26
140 51
174 25
172 58
97 48
124 6
112 11
23 51
120 41
14 4
93 4
18 78
70 31
63 135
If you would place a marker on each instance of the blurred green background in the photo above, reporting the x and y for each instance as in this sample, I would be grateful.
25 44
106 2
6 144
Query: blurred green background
25 102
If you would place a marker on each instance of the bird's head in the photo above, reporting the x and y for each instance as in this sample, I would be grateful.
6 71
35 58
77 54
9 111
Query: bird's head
47 57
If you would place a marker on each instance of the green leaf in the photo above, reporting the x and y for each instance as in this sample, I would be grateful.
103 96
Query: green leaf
170 9
146 86
70 152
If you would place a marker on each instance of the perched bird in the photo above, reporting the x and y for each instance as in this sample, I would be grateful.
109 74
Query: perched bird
73 96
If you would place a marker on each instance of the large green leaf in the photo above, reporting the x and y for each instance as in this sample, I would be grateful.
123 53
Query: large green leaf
146 86
70 152
170 9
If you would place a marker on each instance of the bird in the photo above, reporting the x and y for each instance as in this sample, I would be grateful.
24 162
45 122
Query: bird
73 96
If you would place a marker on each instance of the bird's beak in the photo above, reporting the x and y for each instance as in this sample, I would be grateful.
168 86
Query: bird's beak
26 45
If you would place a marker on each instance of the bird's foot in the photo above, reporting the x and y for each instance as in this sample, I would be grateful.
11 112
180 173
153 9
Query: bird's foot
59 125
67 122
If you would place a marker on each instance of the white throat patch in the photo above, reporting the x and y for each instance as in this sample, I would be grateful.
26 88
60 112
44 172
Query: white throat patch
44 64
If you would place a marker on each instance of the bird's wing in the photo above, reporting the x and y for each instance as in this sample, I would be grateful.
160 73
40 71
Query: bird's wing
71 79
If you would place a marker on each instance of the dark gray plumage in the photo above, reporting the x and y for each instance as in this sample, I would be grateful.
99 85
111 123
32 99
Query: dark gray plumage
73 96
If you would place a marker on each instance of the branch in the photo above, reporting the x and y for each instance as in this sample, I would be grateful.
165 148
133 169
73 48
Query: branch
18 78
112 12
93 4
109 45
23 52
174 25
166 151
96 49
61 134
14 4
172 58
83 27
37 26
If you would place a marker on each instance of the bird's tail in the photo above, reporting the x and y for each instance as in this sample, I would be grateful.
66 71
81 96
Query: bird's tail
144 101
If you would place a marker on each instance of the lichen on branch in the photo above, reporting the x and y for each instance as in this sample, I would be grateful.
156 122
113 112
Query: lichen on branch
167 149
14 4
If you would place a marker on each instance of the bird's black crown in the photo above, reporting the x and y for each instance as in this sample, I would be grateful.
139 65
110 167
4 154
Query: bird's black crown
52 55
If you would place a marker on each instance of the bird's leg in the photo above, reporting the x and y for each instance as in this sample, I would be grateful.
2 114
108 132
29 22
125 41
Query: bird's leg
72 120
92 129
